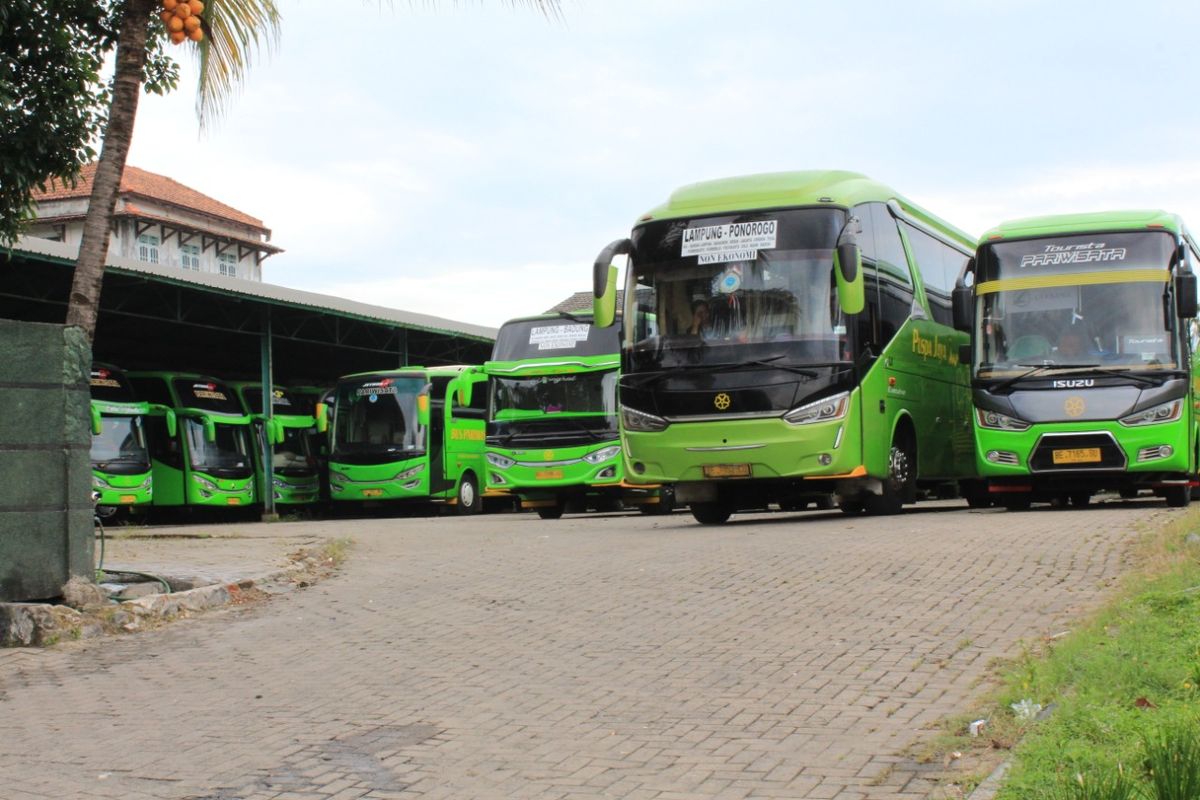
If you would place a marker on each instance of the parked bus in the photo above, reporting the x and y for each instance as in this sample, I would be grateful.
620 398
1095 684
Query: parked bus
121 473
552 435
1083 356
209 461
408 435
307 398
294 474
788 336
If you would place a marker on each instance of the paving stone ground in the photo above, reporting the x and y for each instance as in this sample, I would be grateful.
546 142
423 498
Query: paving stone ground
779 656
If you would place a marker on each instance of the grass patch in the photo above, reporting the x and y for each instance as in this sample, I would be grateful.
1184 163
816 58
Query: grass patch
334 551
1124 689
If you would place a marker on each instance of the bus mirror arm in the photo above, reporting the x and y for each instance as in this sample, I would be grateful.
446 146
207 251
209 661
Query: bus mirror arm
172 422
322 414
210 428
96 424
604 283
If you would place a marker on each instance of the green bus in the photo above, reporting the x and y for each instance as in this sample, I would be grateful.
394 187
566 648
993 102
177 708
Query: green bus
209 461
293 474
786 337
411 434
552 432
1082 358
121 472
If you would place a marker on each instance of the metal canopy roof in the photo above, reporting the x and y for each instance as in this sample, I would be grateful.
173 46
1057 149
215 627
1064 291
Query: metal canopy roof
159 317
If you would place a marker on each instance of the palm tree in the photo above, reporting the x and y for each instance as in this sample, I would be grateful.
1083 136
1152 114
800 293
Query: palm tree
233 29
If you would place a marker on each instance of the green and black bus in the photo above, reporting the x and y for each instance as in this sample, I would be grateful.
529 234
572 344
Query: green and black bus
209 461
411 434
1083 357
293 474
552 435
786 337
121 471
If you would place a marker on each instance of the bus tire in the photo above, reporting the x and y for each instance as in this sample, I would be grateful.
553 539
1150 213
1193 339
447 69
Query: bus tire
900 485
1080 499
1017 502
470 501
665 504
1178 496
551 512
711 513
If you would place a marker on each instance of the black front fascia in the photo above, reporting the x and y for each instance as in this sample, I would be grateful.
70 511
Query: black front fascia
551 432
118 466
369 455
762 391
1039 400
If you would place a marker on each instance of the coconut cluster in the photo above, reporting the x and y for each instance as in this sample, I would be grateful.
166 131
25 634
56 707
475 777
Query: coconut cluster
182 18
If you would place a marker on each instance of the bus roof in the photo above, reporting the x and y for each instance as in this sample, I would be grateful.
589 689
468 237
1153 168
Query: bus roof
1094 222
837 188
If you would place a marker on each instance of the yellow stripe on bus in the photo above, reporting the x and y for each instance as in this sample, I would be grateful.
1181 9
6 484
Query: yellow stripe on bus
1073 279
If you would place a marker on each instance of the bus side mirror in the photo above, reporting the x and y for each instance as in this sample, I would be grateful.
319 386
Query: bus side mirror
848 272
210 429
322 413
604 283
276 430
97 426
172 423
465 391
960 301
423 409
1185 295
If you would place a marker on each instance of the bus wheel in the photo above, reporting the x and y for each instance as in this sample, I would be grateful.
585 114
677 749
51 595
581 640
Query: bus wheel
900 486
551 512
1178 496
852 507
469 499
665 504
1128 493
711 513
1017 502
1080 499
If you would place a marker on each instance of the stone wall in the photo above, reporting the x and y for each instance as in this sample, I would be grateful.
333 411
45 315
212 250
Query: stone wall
46 531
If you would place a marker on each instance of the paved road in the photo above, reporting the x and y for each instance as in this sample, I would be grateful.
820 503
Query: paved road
630 657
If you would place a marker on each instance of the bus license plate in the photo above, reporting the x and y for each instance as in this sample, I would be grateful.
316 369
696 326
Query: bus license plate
727 470
129 498
548 474
233 501
1078 455
372 492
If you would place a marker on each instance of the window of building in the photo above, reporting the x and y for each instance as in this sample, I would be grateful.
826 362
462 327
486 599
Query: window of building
148 248
227 263
189 256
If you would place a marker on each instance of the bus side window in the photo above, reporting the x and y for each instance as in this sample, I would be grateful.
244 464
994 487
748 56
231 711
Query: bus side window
887 248
477 409
889 305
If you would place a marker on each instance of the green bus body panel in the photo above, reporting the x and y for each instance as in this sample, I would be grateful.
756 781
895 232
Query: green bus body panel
461 448
917 380
1181 434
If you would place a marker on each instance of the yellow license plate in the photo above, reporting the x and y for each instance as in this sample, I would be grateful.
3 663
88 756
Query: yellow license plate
548 474
129 498
233 501
727 470
372 492
1078 455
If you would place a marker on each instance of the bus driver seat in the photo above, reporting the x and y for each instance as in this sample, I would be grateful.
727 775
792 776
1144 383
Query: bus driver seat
1029 347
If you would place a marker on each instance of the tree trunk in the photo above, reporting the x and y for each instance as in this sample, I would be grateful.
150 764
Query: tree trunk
84 304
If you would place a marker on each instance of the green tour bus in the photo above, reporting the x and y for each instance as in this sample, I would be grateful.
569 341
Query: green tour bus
293 474
307 397
209 461
788 336
552 433
1083 357
121 473
410 434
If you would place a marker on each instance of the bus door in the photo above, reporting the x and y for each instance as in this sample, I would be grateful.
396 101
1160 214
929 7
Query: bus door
439 482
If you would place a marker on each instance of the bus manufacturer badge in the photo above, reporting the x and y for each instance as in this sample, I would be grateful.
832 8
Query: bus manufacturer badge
1074 406
548 455
722 401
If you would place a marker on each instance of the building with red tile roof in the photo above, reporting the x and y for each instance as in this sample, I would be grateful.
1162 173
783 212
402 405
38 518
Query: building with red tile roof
160 221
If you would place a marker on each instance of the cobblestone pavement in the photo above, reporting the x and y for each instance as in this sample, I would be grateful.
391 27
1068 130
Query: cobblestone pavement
780 656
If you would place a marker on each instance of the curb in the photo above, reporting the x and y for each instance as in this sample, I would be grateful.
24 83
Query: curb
43 624
987 789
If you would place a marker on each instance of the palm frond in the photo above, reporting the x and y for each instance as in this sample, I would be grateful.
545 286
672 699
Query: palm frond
235 31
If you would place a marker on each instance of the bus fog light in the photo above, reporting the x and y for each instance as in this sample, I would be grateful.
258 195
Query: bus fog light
824 459
497 480
607 472
1003 457
1155 453
639 467
412 484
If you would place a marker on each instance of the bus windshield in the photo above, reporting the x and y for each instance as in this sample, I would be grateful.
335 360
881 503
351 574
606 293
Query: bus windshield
578 394
293 456
746 287
1075 301
120 447
228 456
378 415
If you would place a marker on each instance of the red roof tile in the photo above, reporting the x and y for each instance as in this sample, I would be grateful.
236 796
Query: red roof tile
158 187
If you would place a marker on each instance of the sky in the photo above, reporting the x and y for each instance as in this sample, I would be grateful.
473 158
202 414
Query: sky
470 159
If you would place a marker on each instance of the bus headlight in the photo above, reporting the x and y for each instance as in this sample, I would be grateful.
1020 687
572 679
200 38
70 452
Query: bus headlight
830 408
641 421
146 483
1164 412
408 473
497 460
205 483
602 455
98 482
338 477
999 422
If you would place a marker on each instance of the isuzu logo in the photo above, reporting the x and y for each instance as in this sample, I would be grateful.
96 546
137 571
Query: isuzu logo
1075 383
1074 407
722 401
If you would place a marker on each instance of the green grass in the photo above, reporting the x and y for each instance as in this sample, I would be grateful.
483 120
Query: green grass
1125 690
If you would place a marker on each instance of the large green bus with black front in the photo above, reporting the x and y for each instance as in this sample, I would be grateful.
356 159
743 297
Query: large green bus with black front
788 336
1083 357
208 462
552 434
122 478
414 434
288 431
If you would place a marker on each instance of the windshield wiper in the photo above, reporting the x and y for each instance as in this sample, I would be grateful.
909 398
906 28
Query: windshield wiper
1146 380
573 317
733 365
1038 368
